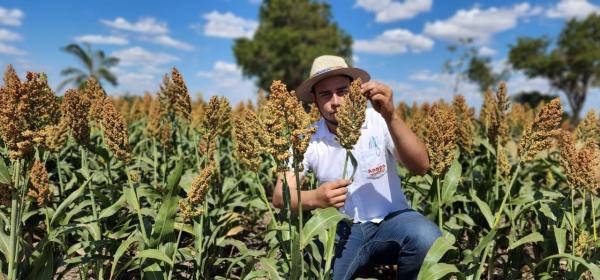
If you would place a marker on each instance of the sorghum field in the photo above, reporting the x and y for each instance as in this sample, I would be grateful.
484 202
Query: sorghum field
159 187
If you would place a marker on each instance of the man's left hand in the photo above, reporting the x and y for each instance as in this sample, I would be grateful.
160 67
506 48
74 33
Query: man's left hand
381 98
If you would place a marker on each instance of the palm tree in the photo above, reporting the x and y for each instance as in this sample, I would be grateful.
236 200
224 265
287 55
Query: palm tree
96 64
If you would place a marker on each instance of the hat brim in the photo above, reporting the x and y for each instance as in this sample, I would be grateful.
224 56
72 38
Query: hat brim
303 92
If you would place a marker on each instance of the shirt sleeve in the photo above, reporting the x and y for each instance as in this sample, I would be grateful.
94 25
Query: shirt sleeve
389 142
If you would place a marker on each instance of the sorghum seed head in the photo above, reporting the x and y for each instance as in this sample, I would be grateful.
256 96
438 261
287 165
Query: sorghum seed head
539 134
115 131
465 126
247 143
75 107
440 139
40 190
351 116
288 127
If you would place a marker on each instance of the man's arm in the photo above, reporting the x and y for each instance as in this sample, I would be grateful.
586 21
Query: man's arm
330 194
409 148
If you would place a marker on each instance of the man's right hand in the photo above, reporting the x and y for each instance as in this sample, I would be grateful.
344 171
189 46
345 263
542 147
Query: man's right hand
332 194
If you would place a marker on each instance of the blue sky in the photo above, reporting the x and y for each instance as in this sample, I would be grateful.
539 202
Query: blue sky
400 42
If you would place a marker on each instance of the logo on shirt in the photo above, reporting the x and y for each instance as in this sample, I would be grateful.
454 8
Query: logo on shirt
376 171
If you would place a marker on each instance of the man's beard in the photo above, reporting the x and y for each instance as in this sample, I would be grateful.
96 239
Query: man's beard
335 123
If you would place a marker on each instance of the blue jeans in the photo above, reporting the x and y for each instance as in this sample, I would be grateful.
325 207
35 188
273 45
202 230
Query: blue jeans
403 238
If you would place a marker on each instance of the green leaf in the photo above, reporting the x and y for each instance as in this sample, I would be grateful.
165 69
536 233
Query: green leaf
431 269
322 220
329 252
560 236
154 254
270 266
465 218
4 240
113 209
4 173
487 145
43 263
530 238
545 209
441 245
437 271
69 201
484 242
120 252
590 266
484 208
297 260
165 219
131 198
451 181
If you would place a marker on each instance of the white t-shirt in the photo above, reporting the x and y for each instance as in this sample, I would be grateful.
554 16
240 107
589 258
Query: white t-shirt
375 191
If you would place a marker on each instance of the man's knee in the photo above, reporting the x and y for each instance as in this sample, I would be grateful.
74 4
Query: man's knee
424 234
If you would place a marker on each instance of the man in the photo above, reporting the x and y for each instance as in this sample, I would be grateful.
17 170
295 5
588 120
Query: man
384 229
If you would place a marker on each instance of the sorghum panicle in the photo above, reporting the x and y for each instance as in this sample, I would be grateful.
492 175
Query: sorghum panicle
75 107
25 109
174 96
588 129
247 144
582 166
115 131
154 118
94 92
465 126
288 126
539 134
197 192
40 190
351 116
215 123
441 138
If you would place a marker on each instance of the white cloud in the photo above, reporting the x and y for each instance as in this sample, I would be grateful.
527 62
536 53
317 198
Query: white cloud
486 51
168 41
394 41
519 82
478 24
136 82
431 87
7 49
572 9
102 39
389 10
148 25
442 84
7 35
226 79
149 61
11 17
228 25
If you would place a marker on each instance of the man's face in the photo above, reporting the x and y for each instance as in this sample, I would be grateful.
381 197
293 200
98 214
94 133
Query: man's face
329 94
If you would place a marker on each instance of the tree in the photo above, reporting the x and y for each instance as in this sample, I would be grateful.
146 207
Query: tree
478 70
289 36
532 98
456 67
96 65
481 72
573 66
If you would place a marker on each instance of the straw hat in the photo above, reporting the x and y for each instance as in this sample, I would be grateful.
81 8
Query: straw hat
327 66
